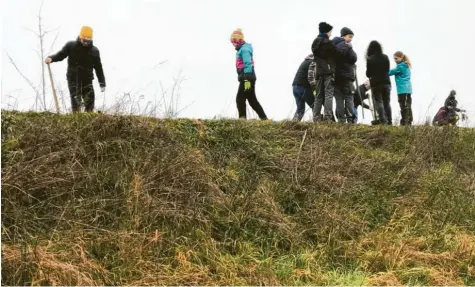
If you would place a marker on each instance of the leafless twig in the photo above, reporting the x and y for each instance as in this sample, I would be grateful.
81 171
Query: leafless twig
35 89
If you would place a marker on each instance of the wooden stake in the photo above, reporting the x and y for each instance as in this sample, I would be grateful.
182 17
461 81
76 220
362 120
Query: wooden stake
54 91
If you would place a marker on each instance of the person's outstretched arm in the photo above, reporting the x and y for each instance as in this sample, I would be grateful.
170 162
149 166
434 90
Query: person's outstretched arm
98 68
395 71
62 54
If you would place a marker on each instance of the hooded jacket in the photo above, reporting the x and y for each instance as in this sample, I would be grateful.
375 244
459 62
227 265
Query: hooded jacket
403 78
451 103
326 55
81 61
245 63
345 66
303 77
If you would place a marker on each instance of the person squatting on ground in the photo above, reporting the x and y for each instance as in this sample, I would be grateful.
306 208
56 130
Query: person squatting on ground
326 55
83 58
402 73
358 99
447 115
246 76
377 70
345 76
302 85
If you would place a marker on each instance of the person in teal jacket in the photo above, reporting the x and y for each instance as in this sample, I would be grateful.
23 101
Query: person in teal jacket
402 73
246 76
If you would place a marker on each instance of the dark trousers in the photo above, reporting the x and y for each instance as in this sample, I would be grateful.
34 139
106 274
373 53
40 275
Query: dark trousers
325 92
405 103
81 92
250 96
344 101
382 103
302 95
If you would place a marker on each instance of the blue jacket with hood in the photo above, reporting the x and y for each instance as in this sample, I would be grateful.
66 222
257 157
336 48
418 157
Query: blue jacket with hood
403 78
245 62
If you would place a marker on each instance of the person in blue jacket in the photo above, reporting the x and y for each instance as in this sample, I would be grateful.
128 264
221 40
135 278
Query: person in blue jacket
402 73
246 76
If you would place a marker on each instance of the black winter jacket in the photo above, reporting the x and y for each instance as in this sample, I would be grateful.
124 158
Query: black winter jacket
81 61
326 55
377 70
345 66
302 76
356 98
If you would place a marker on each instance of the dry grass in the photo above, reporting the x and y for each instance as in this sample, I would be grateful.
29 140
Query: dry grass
95 199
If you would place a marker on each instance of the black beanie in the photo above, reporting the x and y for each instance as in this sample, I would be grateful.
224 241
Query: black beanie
346 31
324 27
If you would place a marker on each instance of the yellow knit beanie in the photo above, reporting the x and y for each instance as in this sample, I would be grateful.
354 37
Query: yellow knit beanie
86 32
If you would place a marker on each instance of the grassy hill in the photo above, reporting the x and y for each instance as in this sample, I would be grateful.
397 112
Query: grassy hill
95 199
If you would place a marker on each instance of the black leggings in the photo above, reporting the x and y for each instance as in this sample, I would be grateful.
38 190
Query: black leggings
382 103
250 96
405 103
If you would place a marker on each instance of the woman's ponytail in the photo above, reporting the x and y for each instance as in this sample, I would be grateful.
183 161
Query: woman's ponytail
404 57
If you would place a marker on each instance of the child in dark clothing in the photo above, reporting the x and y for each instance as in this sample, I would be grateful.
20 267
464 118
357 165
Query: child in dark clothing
302 87
326 56
377 70
358 100
447 115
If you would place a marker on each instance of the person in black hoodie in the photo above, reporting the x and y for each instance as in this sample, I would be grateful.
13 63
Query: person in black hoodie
448 114
345 76
326 55
377 70
83 58
302 87
358 99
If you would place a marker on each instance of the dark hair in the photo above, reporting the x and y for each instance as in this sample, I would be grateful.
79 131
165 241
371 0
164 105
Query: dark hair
374 48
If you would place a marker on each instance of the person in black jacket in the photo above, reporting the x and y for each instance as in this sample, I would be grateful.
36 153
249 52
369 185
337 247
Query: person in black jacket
377 70
83 58
448 114
358 99
302 87
345 76
326 55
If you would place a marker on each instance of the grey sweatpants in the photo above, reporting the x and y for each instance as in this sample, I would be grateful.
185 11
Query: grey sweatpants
344 101
324 97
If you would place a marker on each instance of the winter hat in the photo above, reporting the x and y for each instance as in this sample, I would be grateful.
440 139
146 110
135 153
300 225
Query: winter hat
324 27
346 31
237 36
86 32
452 93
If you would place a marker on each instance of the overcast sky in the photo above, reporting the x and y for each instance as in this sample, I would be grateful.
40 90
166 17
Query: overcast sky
134 36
